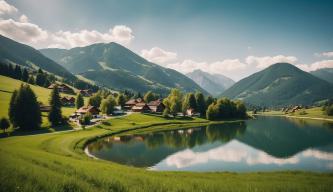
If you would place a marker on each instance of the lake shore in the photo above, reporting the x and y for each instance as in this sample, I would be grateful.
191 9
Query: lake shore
59 158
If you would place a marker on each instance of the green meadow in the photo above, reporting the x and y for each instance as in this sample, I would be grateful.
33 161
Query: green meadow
56 162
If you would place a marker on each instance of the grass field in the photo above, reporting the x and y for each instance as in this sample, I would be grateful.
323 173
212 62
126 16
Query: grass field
315 112
56 162
8 85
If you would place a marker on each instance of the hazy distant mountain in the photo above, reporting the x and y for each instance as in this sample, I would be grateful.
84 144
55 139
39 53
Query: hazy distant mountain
279 85
325 74
115 66
14 52
215 84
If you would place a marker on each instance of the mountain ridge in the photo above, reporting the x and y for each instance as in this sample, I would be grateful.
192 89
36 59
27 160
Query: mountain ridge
278 85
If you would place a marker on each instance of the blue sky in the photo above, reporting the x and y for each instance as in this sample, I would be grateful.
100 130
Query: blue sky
197 31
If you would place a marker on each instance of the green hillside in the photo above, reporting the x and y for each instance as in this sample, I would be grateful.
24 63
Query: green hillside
7 87
17 53
280 84
115 66
325 74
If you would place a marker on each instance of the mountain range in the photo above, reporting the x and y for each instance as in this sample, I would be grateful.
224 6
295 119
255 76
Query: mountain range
279 85
21 54
325 74
214 84
114 66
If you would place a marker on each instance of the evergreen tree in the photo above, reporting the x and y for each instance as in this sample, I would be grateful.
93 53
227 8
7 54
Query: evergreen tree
201 104
121 100
4 124
192 102
31 80
24 109
79 101
95 100
209 101
149 96
40 78
17 72
55 116
12 109
25 75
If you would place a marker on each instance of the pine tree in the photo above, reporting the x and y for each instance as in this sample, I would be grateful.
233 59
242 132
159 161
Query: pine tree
201 104
149 96
55 116
79 101
31 80
40 78
17 72
25 75
24 109
12 109
121 100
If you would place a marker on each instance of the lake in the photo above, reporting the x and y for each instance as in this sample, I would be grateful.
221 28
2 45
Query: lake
261 144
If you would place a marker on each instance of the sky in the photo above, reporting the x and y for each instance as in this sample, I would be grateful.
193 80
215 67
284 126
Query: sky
233 38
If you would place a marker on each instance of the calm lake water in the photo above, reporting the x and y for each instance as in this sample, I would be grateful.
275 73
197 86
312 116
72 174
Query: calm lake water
263 144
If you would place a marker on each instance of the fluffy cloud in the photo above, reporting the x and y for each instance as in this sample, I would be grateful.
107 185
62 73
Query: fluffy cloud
263 62
316 65
24 31
7 9
158 55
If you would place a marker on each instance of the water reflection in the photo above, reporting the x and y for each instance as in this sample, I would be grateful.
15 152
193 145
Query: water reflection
267 143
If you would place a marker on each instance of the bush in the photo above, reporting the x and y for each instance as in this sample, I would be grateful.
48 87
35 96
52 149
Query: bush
329 110
226 109
85 120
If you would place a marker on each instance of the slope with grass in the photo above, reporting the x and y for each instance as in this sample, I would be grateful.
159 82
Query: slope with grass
7 87
56 162
21 54
279 85
114 66
325 74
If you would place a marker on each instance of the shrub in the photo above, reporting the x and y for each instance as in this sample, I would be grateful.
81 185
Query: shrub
329 110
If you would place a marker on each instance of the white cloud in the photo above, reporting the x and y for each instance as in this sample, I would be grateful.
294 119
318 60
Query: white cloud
7 9
67 39
263 62
158 55
23 19
316 65
325 54
22 32
26 32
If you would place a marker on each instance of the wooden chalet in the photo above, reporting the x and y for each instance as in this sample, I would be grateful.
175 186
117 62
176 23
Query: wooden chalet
62 88
141 107
86 92
91 109
67 101
132 102
156 106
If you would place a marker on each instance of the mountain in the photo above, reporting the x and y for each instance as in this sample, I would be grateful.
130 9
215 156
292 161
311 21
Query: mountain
279 85
215 84
325 74
115 66
21 54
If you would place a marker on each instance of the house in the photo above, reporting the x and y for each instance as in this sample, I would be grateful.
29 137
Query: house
67 101
86 92
190 112
62 88
141 107
91 109
156 106
130 103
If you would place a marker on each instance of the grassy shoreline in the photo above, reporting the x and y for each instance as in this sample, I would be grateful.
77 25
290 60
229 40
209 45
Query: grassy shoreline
56 162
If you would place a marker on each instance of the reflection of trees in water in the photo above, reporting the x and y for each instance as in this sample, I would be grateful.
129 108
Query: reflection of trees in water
195 136
177 138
